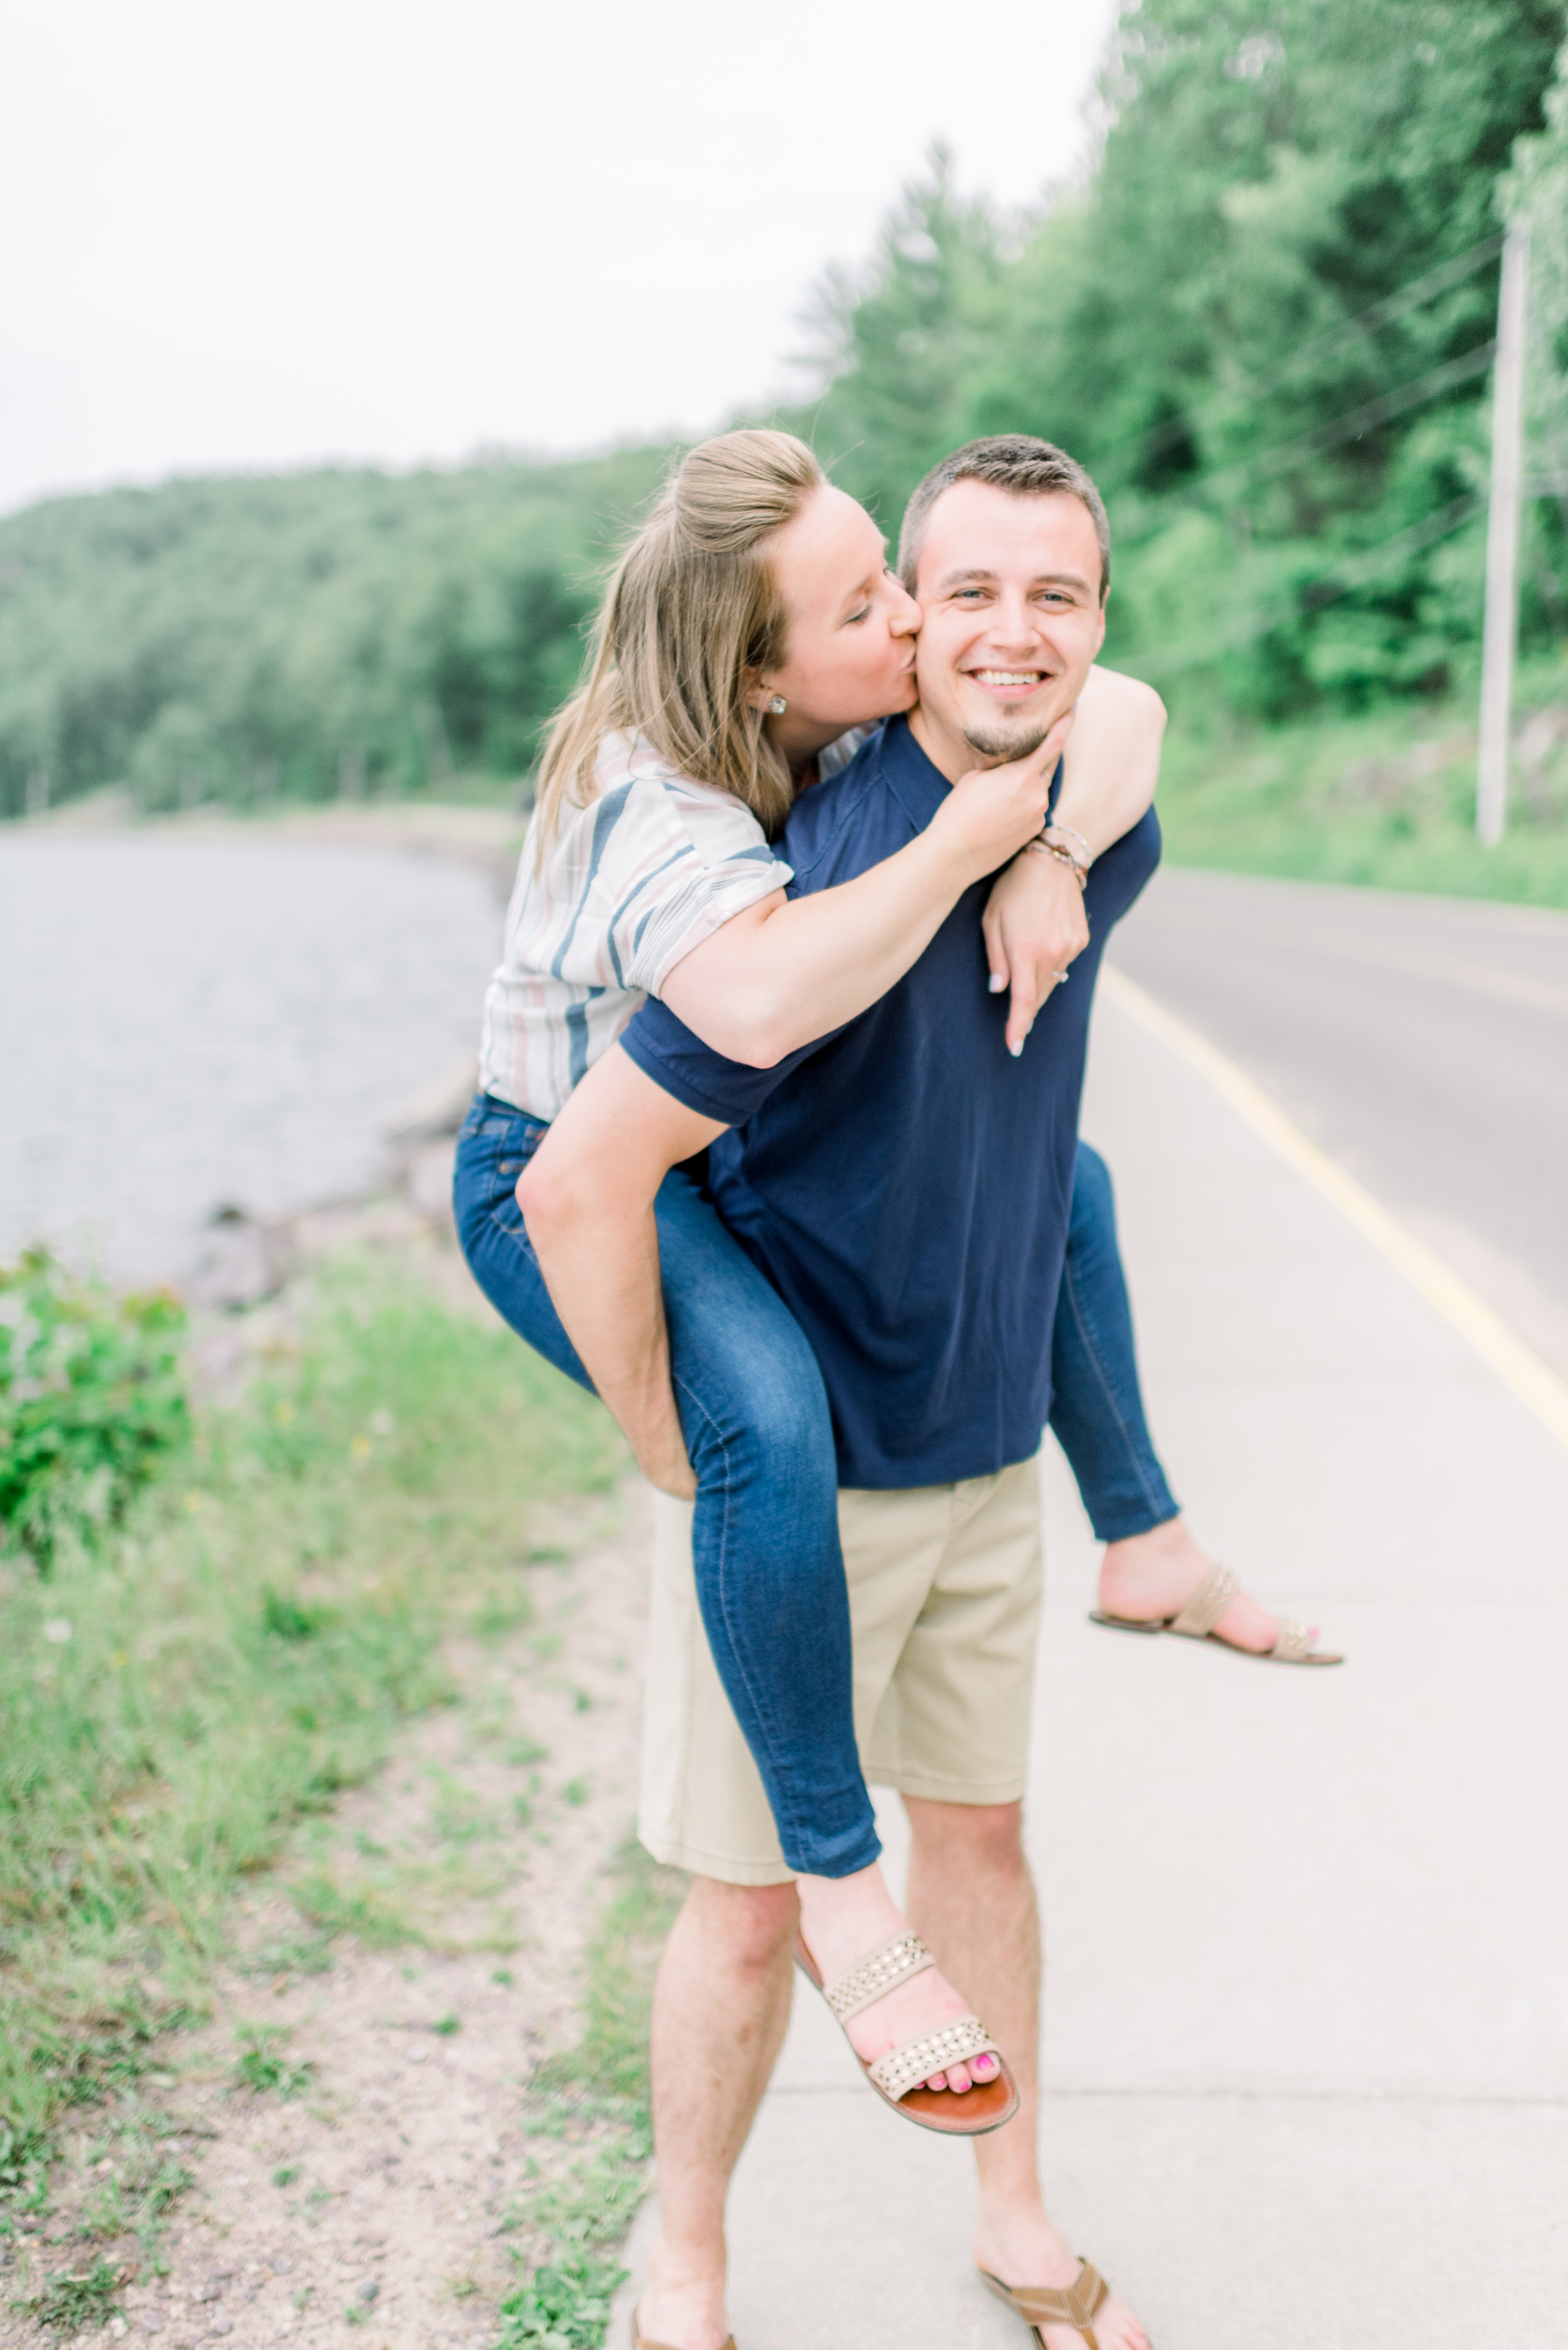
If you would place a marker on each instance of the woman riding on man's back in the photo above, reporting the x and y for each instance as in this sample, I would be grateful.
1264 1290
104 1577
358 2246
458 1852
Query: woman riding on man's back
750 628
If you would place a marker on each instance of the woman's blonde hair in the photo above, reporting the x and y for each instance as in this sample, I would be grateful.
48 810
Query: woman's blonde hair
691 617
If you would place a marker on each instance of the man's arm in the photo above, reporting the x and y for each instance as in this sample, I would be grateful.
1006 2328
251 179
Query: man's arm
1034 923
586 1197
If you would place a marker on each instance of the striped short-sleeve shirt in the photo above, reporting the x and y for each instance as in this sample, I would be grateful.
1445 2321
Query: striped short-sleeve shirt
651 867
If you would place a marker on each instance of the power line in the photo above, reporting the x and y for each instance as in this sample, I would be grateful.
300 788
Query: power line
1269 464
1170 660
1357 421
1250 388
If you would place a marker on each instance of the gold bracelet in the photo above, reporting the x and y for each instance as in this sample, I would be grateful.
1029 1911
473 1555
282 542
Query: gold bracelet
1054 824
1062 857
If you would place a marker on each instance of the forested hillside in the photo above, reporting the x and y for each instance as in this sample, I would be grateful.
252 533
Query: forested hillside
1265 322
321 633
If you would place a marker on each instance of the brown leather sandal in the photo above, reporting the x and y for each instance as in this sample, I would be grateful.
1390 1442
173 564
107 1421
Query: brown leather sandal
1040 2305
1203 1611
900 2077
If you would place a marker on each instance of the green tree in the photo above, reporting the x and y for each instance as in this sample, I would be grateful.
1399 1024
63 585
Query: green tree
900 341
1264 323
238 639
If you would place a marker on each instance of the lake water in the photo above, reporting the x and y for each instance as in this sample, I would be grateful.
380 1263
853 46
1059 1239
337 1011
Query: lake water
189 1022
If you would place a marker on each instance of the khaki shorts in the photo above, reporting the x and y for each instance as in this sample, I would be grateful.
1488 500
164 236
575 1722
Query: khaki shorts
944 1602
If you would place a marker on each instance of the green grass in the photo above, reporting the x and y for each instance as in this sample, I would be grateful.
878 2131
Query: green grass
72 2300
1386 800
261 2065
243 1645
591 2103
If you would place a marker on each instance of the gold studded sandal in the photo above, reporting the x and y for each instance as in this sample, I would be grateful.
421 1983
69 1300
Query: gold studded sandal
1040 2305
1203 1611
900 2077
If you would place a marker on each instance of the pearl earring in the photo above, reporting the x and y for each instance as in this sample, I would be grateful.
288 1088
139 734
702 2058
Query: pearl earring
778 705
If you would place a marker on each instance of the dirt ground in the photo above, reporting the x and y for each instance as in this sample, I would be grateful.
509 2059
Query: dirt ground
382 2193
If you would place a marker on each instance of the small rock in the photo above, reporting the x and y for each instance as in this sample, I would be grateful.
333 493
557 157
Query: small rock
369 2290
222 2326
241 1263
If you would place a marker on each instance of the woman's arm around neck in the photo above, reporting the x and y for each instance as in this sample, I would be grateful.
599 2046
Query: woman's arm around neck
789 970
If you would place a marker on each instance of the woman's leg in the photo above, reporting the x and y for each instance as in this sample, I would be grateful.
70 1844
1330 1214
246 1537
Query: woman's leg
769 1569
770 1572
1151 1565
1097 1404
764 1531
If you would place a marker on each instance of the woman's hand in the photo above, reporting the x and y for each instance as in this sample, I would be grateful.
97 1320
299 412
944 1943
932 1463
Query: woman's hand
1034 924
990 812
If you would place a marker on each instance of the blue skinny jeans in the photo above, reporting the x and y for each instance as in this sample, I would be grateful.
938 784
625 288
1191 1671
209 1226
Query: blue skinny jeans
764 1531
1097 1404
754 1412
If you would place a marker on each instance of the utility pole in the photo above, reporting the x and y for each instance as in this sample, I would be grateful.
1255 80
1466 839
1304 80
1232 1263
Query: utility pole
1501 627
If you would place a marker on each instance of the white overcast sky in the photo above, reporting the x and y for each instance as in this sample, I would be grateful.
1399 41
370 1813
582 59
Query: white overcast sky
235 235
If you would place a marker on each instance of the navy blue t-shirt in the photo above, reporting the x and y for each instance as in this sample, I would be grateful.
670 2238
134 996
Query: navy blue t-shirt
905 1183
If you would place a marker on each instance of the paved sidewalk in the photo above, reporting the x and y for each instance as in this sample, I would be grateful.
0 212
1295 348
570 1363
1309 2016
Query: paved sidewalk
1307 2035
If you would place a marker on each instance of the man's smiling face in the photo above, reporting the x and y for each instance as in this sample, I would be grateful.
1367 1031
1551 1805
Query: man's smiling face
1009 590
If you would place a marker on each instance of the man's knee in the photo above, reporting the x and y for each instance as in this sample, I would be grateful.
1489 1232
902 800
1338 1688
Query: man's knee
746 1928
988 1837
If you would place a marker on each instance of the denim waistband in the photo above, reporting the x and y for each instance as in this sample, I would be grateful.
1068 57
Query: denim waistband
488 1114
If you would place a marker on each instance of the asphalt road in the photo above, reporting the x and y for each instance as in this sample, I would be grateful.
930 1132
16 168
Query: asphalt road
1422 1041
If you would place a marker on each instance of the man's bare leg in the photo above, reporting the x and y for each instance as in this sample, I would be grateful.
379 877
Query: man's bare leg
720 2006
971 1898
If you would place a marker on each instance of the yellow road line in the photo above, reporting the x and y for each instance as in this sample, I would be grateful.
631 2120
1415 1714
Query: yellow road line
1532 1380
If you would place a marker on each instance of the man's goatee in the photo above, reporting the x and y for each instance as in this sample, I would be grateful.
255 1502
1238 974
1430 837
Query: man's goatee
997 743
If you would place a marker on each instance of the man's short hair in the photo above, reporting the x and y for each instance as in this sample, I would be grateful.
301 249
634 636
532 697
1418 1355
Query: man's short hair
1015 462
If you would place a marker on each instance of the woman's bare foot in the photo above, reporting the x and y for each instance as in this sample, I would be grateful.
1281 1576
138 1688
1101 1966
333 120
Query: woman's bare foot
1151 1577
1024 2248
843 1919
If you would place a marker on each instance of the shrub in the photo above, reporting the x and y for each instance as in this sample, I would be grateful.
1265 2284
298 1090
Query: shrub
92 1394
